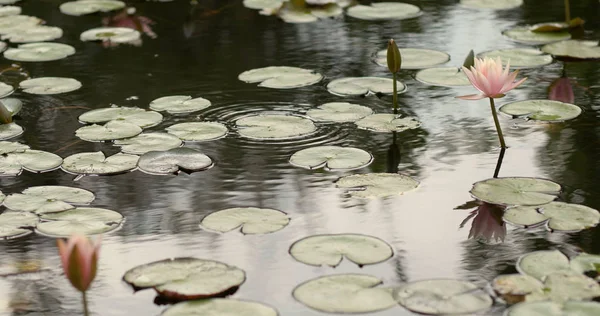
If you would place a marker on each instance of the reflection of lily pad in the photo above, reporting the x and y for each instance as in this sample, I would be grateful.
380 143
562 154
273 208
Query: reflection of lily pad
329 250
519 57
387 123
385 11
179 104
442 297
415 58
38 33
339 112
445 77
49 85
12 164
82 7
571 308
174 160
110 131
274 126
146 142
252 220
220 307
12 224
574 49
198 131
331 158
539 264
39 52
48 199
374 185
492 4
559 216
81 220
542 110
137 116
515 191
514 287
8 131
95 163
281 77
523 34
344 293
111 34
364 86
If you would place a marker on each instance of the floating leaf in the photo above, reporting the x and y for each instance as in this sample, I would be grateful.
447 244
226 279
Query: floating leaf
539 264
198 131
557 26
339 112
48 199
572 308
15 22
514 287
573 49
95 163
137 116
252 220
385 11
11 130
566 286
220 307
2 196
415 58
81 220
364 86
515 191
5 90
263 4
542 110
523 34
585 263
444 77
12 164
82 7
492 4
38 33
110 131
443 296
331 158
173 161
39 52
12 147
12 105
49 85
274 126
13 224
386 123
281 77
117 35
146 142
559 216
519 57
375 185
9 10
178 104
344 293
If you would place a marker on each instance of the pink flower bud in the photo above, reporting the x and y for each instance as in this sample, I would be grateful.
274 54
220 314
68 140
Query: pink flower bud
79 258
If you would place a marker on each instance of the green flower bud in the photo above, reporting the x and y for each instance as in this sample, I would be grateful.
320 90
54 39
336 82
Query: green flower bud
394 60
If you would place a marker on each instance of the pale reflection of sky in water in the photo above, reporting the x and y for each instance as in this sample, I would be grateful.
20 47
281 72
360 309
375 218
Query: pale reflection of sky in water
455 147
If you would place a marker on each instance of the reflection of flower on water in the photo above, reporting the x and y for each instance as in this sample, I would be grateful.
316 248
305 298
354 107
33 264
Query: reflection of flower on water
487 223
561 90
129 19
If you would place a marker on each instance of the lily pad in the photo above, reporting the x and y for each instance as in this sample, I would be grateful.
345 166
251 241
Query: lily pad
584 263
376 185
492 4
38 33
344 293
146 142
111 34
95 163
11 130
516 191
15 22
281 77
333 158
10 10
443 297
5 89
571 308
364 85
39 52
384 11
566 286
48 199
137 116
198 131
524 35
220 307
49 85
82 7
415 58
36 161
13 224
540 264
81 220
559 216
179 104
339 112
444 77
542 110
274 126
2 197
513 288
112 130
12 147
251 220
573 49
329 250
263 4
173 161
387 123
13 105
520 58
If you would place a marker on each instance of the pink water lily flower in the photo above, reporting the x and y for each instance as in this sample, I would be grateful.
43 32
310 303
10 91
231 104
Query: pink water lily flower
490 79
79 258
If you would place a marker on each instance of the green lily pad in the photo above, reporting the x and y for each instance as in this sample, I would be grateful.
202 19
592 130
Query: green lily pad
250 220
524 35
377 185
112 130
584 263
281 77
82 7
443 297
178 104
9 10
329 250
513 288
8 131
220 307
137 116
38 33
558 216
173 161
540 264
146 142
48 199
81 220
415 58
39 52
332 158
339 112
36 161
49 85
548 308
542 110
118 35
15 22
274 126
566 286
444 77
12 224
516 191
387 123
519 58
492 4
385 11
95 163
573 49
198 131
5 90
344 293
364 85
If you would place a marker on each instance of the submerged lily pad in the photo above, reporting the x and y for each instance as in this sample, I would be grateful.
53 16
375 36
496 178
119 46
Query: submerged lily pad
49 85
281 77
274 126
344 293
82 7
38 33
492 4
179 104
48 199
339 112
571 308
13 163
566 286
111 34
252 220
443 297
444 77
524 35
516 191
112 130
329 250
198 131
15 224
173 161
220 307
81 220
519 58
386 123
385 11
559 216
513 288
137 116
574 49
11 130
95 163
542 110
146 142
331 158
375 185
415 58
39 52
540 264
364 86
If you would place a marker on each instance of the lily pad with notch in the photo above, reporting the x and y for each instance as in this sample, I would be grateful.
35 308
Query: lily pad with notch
137 116
198 131
281 77
519 58
549 308
339 112
174 161
119 35
415 58
492 4
96 163
573 50
48 199
333 158
516 191
179 104
15 158
387 123
542 110
36 52
16 224
113 130
443 77
385 11
250 220
81 220
49 85
269 126
524 35
558 216
83 7
377 185
356 86
220 307
146 142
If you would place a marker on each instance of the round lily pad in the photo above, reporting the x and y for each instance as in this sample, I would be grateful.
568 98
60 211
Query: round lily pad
15 22
524 35
220 307
374 185
274 126
173 161
179 104
291 14
137 116
559 216
48 199
515 191
111 34
444 77
443 297
9 10
519 58
38 33
39 52
331 158
81 220
11 130
5 89
329 250
198 131
263 4
539 264
344 293
571 308
573 49
514 287
82 7
110 131
339 112
95 163
251 220
386 123
415 58
49 85
542 110
384 11
566 286
15 224
146 142
492 4
364 86
36 161
281 77
584 263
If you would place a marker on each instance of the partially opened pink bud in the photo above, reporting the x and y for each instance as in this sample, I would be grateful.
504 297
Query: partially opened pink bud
561 90
79 258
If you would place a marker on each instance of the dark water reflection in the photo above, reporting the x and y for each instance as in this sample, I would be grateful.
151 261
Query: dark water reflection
200 53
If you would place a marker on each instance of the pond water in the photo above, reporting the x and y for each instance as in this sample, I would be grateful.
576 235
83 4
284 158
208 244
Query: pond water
200 51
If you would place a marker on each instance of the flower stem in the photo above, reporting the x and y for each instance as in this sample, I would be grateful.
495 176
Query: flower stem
498 129
395 97
567 11
85 303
